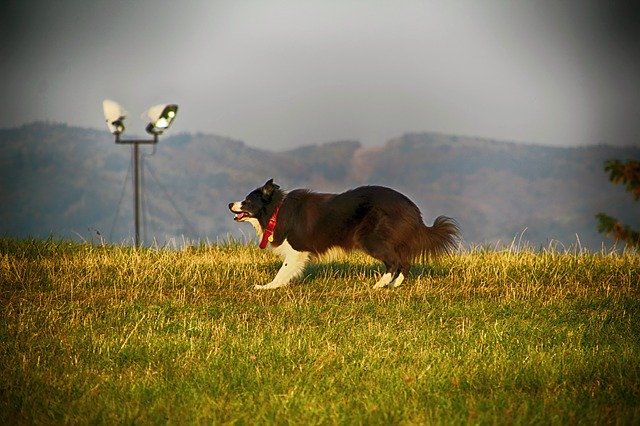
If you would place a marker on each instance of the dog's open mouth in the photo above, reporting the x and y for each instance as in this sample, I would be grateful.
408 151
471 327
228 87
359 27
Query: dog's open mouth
239 216
236 209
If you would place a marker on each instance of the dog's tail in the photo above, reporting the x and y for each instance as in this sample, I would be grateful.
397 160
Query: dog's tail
440 238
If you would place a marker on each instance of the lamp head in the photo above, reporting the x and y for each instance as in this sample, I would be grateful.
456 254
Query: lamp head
114 114
160 118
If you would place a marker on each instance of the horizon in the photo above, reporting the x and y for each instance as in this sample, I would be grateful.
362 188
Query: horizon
169 134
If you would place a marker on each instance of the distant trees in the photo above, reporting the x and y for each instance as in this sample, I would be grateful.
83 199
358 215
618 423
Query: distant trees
627 173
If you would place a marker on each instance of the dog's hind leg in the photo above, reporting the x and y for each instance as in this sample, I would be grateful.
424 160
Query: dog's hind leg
390 280
400 274
292 266
375 247
394 276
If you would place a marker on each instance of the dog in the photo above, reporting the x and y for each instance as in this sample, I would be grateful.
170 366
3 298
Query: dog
377 220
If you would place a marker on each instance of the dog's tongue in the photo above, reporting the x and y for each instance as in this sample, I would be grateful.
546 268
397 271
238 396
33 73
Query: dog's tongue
240 216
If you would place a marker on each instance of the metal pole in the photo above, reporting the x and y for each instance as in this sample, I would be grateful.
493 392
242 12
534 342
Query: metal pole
135 156
136 192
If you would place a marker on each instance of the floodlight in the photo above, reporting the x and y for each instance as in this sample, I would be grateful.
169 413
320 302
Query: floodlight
160 117
114 114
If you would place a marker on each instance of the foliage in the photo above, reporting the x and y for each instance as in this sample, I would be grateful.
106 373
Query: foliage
627 173
107 334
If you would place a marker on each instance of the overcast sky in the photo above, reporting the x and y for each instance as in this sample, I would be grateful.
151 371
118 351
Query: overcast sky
279 74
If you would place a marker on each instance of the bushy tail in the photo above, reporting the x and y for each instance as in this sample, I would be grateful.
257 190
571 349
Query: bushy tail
441 238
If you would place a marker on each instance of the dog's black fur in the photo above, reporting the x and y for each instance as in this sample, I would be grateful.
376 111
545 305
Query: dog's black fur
377 220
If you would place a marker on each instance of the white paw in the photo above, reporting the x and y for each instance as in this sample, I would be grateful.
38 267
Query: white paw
268 286
397 282
380 285
383 281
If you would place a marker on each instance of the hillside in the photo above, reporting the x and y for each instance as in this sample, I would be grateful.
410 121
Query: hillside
76 183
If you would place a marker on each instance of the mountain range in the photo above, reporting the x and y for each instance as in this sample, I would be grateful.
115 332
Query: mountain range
70 182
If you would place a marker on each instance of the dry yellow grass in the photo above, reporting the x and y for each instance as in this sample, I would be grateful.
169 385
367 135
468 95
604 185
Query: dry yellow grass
118 335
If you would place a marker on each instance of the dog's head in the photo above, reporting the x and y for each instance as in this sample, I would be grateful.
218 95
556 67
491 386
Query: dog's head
256 204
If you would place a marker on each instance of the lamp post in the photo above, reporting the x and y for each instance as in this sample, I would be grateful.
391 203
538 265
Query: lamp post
160 118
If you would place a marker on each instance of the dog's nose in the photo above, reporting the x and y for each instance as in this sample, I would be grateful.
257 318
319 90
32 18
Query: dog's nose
230 206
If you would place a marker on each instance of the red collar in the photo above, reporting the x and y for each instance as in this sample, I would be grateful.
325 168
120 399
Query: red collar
267 236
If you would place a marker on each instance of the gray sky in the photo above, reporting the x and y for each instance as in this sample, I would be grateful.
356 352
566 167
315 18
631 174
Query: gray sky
278 74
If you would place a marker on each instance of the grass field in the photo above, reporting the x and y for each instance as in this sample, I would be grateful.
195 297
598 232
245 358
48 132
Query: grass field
93 334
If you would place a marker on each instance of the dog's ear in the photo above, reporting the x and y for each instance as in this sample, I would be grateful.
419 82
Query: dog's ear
268 188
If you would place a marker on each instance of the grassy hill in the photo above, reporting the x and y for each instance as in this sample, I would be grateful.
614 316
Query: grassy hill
107 334
76 183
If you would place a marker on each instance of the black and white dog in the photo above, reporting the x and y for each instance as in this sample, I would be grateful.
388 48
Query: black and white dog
380 221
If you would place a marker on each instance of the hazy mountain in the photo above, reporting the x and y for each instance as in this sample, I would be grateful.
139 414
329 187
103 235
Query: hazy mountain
76 183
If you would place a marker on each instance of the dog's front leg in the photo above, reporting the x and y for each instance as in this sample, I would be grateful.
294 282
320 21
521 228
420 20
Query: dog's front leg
292 266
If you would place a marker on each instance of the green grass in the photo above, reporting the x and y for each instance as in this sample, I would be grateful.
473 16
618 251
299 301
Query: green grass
108 335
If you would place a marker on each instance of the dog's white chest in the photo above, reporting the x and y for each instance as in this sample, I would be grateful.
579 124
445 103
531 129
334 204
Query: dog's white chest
256 225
